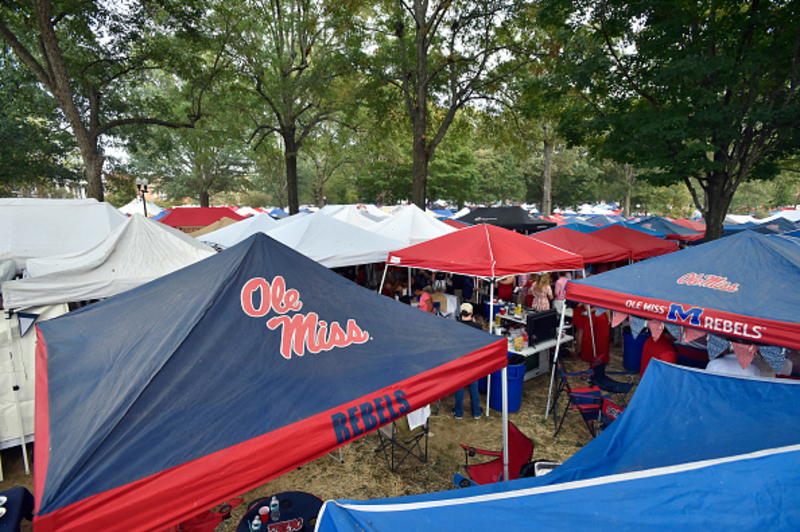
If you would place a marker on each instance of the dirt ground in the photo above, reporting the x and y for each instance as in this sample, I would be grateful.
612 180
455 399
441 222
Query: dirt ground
365 474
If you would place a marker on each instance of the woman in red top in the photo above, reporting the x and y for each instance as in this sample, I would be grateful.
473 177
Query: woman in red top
505 288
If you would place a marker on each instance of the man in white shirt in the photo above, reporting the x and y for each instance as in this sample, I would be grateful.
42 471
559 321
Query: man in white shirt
729 365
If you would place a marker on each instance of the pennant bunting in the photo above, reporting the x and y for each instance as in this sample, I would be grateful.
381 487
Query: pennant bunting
618 318
599 311
637 324
656 328
690 335
716 346
674 330
744 353
774 356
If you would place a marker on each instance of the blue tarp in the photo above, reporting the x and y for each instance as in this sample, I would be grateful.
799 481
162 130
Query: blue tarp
692 451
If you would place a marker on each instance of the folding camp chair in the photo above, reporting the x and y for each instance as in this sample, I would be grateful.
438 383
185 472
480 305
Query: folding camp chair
596 408
520 450
397 440
601 378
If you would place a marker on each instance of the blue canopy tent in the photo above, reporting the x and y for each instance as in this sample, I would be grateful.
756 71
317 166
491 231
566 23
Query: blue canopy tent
173 397
776 226
692 451
576 224
645 230
670 229
743 287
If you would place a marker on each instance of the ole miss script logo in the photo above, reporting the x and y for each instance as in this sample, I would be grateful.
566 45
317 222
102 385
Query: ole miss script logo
299 332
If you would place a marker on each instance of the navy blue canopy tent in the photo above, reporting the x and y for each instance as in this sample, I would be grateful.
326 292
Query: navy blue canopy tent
743 286
692 451
669 228
168 399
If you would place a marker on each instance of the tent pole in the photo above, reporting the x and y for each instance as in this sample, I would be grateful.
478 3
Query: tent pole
15 385
383 278
555 358
491 328
505 423
409 283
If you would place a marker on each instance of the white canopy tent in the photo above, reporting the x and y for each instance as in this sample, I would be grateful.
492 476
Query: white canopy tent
355 216
792 216
334 243
18 376
136 207
137 252
235 233
34 228
412 226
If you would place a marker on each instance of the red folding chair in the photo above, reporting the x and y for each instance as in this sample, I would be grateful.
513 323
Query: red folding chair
207 521
520 451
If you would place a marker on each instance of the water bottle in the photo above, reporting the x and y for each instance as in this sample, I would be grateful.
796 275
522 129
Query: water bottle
256 524
274 509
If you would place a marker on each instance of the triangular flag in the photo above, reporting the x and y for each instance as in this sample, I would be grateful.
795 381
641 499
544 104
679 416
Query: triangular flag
674 330
637 324
656 328
26 321
774 356
744 353
599 311
716 346
618 318
690 335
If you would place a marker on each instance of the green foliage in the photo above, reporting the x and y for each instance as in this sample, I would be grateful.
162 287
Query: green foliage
683 88
34 148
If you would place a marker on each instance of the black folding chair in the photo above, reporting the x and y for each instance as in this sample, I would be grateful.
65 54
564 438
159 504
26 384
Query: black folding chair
398 442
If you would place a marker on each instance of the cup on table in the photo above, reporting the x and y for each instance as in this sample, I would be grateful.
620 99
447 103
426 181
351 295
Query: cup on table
264 513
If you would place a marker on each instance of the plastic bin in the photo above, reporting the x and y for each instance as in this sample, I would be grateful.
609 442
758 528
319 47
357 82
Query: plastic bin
486 306
516 377
632 350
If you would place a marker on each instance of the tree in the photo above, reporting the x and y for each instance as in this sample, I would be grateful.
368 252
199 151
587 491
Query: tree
686 90
95 57
293 52
34 149
444 54
198 163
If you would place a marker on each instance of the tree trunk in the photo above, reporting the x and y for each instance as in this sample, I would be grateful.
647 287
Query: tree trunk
718 201
419 184
290 156
203 198
93 159
629 175
547 184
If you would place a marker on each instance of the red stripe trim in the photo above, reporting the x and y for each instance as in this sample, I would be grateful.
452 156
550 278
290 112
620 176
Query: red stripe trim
172 496
41 421
756 330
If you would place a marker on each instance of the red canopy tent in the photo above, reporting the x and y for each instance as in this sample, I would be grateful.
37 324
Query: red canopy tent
455 223
486 251
642 246
691 224
189 219
592 249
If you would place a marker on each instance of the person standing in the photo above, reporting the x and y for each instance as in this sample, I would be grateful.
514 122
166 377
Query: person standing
424 295
542 293
561 290
474 398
